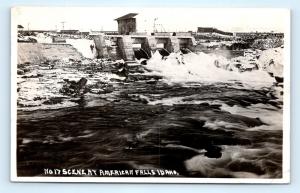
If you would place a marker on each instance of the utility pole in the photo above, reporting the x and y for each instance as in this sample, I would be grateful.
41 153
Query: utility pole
154 25
63 24
162 29
145 24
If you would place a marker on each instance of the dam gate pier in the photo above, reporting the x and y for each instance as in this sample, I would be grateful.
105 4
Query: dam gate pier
131 47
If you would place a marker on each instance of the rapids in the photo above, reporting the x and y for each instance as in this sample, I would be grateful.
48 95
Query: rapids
207 68
198 114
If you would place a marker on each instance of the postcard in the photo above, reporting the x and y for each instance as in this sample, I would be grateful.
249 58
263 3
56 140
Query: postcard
150 95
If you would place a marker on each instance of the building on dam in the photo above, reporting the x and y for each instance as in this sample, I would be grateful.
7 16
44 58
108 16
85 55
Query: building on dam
127 24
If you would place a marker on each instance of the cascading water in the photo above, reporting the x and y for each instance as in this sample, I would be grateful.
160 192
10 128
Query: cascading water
203 67
141 53
163 52
86 47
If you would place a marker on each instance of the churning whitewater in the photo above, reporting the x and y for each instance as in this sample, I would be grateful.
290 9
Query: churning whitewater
202 115
203 67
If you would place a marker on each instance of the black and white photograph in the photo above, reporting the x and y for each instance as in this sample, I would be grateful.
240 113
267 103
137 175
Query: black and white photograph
150 95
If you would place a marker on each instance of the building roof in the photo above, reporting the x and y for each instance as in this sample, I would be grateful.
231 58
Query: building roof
127 16
206 28
69 30
20 26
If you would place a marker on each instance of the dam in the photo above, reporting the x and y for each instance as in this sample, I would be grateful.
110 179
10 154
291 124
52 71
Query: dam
131 47
130 44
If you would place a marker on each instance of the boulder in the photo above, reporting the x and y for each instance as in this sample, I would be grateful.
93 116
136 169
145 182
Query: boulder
20 72
73 88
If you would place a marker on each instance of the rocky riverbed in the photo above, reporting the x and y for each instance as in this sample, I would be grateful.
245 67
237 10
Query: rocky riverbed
101 114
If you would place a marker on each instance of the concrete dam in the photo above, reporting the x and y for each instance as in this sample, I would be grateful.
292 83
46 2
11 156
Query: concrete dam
131 47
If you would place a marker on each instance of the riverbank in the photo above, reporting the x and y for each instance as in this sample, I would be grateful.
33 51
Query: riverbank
40 52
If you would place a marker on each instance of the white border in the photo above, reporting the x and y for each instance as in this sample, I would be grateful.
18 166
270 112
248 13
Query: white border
13 119
286 101
286 128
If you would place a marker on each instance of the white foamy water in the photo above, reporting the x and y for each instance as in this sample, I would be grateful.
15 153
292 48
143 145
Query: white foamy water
202 67
42 38
34 92
272 61
83 46
239 162
268 114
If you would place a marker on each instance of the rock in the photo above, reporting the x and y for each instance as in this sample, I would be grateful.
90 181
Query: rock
114 80
123 72
151 82
204 104
271 74
264 44
137 98
238 65
26 70
33 76
275 103
82 82
122 69
250 122
213 152
37 98
20 72
279 79
53 101
74 88
216 106
144 62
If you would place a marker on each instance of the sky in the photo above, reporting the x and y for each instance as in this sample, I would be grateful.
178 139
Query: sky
168 19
